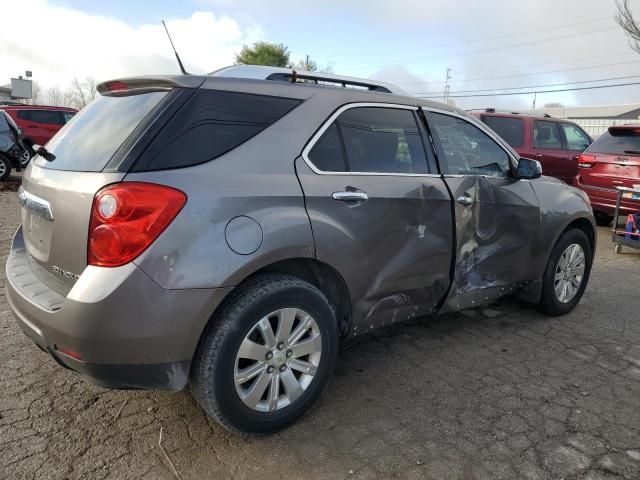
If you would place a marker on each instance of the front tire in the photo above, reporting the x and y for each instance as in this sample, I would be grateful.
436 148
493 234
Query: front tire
567 273
5 168
266 356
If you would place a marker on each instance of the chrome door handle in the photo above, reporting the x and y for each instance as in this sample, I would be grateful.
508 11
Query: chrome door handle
465 200
350 196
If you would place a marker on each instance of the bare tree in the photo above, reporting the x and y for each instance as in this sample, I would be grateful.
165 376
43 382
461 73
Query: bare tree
83 92
625 19
36 93
68 98
54 96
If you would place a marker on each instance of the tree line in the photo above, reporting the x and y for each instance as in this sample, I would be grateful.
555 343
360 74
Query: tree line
78 94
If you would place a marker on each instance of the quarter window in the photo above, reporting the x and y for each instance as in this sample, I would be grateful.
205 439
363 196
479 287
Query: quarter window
511 129
467 150
546 135
374 139
576 138
327 154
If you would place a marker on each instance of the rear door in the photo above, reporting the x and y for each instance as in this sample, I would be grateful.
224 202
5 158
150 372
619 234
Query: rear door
548 149
497 216
57 196
378 215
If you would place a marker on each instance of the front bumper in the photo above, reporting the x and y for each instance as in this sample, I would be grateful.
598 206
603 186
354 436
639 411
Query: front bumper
123 329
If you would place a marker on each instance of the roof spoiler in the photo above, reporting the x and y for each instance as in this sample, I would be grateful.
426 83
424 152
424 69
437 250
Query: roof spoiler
135 85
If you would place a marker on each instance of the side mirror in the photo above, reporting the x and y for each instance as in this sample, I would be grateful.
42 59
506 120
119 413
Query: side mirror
528 169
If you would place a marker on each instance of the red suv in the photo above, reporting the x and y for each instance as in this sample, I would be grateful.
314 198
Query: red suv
39 123
613 160
556 144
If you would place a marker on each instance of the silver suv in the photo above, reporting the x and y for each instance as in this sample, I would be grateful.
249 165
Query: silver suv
229 233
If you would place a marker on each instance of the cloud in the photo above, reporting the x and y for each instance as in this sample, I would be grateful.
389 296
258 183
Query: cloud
62 43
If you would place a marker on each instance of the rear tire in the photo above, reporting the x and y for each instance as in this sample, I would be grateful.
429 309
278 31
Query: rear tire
218 378
572 246
602 219
5 168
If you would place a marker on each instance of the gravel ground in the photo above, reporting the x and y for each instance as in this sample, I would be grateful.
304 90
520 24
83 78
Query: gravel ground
500 392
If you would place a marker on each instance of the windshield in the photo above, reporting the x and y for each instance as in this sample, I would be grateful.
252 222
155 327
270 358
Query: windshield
89 140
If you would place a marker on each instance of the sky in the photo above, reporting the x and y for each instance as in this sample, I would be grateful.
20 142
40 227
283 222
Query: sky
488 45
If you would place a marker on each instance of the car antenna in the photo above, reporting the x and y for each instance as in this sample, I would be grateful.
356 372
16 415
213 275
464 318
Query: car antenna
184 72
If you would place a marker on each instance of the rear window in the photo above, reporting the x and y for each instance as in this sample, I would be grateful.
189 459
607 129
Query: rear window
510 129
89 140
211 124
623 142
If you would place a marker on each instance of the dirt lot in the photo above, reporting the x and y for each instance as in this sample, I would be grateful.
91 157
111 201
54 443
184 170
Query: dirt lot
503 392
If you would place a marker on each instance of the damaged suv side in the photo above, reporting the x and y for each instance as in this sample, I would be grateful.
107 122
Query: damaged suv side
229 233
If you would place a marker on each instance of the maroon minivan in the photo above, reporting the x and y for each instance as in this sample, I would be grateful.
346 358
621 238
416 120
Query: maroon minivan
612 161
555 143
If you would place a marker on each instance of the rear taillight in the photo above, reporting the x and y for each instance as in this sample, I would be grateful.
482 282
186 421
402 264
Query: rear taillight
586 161
126 218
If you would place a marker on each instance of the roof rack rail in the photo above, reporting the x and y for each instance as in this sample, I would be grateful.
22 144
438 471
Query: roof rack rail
493 110
301 76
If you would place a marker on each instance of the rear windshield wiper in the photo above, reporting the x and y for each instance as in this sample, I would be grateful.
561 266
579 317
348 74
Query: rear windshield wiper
44 153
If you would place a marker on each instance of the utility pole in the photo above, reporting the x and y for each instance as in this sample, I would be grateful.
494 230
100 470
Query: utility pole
306 63
535 95
447 87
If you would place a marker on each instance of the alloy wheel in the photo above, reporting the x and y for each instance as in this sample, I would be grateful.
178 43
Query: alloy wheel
277 360
569 273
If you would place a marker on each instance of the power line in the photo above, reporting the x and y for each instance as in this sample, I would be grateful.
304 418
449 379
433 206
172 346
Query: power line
531 65
495 37
537 86
493 49
500 94
550 71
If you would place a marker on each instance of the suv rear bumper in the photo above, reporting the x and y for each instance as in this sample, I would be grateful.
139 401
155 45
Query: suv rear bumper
116 326
604 200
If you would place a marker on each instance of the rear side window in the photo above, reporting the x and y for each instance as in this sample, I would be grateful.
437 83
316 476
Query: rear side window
511 129
88 143
623 142
375 140
52 117
68 116
211 124
546 135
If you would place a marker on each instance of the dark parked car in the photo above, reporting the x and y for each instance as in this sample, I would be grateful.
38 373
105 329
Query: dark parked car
556 144
230 232
39 123
612 161
13 154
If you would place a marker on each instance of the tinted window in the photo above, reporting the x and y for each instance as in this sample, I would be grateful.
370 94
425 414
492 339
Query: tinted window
576 138
467 149
88 143
53 117
509 128
211 124
546 135
327 153
623 142
68 116
382 140
24 114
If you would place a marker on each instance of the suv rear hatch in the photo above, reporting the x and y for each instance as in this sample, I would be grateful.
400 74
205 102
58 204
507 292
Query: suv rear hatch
90 152
612 161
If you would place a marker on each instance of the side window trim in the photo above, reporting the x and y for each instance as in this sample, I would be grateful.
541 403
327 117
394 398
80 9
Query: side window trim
513 161
327 123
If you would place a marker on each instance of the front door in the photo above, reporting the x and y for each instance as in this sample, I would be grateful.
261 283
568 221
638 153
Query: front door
378 216
497 216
